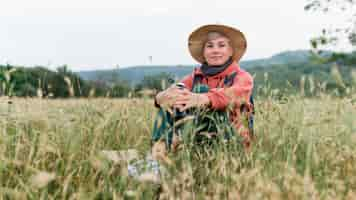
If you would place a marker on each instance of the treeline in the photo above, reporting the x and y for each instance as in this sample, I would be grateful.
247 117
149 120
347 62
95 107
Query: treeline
336 74
62 83
39 81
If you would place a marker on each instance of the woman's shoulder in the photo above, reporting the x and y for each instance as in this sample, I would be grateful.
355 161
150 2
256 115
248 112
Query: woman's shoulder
243 73
240 70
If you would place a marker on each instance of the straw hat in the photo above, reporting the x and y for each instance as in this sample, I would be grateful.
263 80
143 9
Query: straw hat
198 38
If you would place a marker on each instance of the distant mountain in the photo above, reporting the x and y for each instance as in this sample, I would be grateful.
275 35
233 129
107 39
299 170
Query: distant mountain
290 57
136 73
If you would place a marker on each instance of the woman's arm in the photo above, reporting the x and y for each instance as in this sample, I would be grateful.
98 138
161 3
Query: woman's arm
218 98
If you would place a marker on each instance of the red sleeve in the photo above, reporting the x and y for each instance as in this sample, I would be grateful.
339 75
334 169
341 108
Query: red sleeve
238 93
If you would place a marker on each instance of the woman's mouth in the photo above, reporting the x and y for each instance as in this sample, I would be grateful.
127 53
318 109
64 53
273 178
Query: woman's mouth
216 57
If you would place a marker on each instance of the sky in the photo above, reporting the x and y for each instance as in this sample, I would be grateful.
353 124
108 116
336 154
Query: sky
101 34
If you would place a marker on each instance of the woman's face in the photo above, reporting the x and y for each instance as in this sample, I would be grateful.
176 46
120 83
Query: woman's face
217 51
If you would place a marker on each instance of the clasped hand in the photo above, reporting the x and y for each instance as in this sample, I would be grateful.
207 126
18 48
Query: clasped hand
182 99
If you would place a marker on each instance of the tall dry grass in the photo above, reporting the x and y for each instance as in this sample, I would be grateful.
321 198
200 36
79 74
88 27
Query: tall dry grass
51 149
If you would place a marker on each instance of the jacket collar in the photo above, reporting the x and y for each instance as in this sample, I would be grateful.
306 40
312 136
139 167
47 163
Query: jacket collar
233 67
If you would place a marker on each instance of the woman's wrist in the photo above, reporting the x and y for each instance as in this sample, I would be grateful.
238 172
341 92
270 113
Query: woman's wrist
204 100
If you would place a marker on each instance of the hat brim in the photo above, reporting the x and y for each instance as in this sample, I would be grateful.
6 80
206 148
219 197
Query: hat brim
198 38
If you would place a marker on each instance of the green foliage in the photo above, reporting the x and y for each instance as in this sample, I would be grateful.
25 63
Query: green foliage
121 89
6 80
345 30
156 82
39 81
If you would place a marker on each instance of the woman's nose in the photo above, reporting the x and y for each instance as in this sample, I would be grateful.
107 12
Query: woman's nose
215 50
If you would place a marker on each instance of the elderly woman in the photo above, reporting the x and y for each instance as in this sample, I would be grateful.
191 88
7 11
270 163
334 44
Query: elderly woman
218 85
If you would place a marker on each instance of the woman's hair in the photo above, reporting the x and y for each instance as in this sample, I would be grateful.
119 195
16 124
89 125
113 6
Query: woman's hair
214 35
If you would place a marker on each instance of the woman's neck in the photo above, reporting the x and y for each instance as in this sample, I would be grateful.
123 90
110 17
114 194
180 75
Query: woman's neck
211 70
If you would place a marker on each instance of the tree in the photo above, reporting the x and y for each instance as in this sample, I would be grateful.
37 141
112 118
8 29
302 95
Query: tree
6 81
157 82
338 33
31 81
63 70
120 90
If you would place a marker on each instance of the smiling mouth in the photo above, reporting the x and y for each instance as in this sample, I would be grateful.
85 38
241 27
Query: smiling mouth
216 58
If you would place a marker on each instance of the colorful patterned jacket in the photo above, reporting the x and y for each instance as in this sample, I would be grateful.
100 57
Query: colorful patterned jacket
234 97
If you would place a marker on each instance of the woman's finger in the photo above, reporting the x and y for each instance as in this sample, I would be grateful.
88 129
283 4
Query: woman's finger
183 92
174 96
185 107
179 104
179 107
182 98
181 101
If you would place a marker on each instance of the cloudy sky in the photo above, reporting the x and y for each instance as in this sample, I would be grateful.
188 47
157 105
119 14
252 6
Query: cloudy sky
98 34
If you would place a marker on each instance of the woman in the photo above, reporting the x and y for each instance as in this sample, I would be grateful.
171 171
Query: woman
218 48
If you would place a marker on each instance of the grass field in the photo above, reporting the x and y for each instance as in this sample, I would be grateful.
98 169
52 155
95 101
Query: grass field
52 149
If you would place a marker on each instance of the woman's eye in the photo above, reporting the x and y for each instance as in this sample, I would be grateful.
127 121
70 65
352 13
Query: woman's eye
222 45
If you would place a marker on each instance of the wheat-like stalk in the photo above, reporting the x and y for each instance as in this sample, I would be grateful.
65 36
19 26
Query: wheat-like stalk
335 73
69 86
302 85
80 149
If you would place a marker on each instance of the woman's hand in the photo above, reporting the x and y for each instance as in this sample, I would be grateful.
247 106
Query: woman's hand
187 99
167 98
